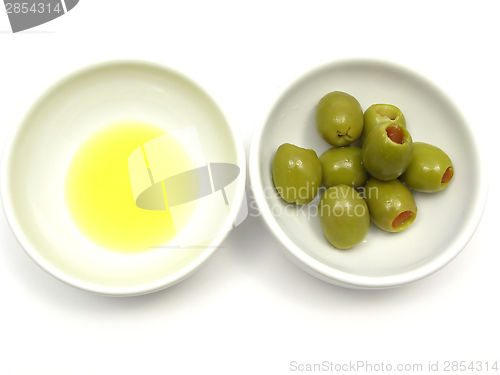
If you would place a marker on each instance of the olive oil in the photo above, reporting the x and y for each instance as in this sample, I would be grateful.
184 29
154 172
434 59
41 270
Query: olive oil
99 194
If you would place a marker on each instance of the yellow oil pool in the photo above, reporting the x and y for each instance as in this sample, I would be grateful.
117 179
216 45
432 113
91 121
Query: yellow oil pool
98 189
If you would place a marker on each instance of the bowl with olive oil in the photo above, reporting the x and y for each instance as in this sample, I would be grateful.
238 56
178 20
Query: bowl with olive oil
123 177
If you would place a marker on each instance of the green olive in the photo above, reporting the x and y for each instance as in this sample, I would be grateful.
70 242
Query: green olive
344 216
392 207
380 113
387 151
430 169
339 118
296 173
343 166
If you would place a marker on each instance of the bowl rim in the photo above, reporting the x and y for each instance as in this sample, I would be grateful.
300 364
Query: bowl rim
16 226
321 270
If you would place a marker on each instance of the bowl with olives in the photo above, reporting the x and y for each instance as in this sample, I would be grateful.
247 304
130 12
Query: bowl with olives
368 174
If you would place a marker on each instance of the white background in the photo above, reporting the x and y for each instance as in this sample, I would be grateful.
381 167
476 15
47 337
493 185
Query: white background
249 310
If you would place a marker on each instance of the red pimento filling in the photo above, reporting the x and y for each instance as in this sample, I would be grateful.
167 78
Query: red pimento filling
447 176
401 218
395 134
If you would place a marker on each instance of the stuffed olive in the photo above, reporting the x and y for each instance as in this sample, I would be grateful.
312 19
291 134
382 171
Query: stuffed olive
344 216
380 113
339 118
430 169
296 173
391 204
387 151
343 166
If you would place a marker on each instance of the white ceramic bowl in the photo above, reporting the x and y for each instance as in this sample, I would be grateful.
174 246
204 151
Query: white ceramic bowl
446 220
50 128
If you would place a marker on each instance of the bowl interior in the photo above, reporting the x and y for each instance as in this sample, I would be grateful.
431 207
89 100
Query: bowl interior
52 128
445 220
